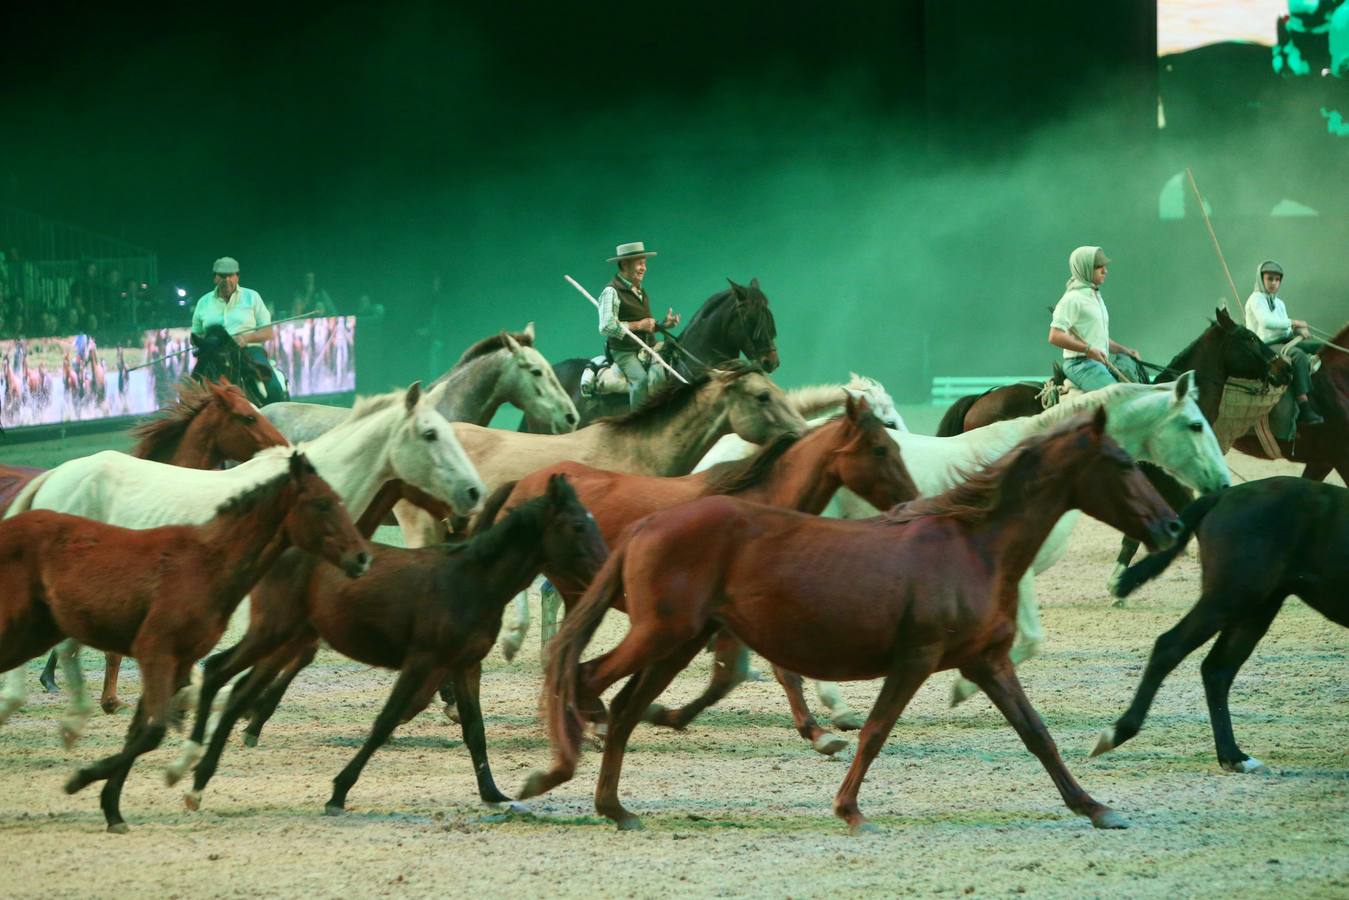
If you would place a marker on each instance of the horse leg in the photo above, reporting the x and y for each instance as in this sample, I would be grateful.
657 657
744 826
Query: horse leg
1220 667
729 658
820 740
270 698
48 677
899 687
415 673
81 708
516 627
841 715
624 715
1029 639
14 694
147 730
1128 548
550 601
1190 633
1317 471
466 683
112 667
998 679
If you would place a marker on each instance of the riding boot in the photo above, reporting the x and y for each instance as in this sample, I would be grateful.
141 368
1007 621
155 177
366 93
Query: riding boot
1307 414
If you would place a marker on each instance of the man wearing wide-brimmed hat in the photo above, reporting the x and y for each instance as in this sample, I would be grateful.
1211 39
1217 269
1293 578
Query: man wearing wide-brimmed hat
625 301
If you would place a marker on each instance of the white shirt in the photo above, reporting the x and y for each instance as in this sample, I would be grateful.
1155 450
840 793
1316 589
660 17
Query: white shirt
244 311
1087 313
1268 324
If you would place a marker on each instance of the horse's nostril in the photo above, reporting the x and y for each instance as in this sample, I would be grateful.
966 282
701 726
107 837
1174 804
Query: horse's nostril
474 494
1174 528
571 418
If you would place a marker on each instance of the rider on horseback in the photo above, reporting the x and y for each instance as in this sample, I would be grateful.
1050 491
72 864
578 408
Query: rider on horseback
624 300
243 315
1081 323
1267 316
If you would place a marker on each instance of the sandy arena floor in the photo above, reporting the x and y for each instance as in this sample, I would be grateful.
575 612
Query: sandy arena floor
738 805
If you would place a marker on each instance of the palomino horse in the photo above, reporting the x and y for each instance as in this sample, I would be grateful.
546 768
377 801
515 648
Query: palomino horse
733 322
395 435
1321 447
845 600
209 424
1259 543
1158 423
430 613
163 595
852 451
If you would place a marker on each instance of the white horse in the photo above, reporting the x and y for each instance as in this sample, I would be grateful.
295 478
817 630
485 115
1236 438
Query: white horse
395 435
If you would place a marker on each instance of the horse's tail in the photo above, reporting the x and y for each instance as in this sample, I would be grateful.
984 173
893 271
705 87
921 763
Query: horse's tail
1154 564
564 660
953 422
491 508
23 500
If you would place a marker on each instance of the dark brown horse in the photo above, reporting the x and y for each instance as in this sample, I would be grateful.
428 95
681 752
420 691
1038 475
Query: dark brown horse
853 450
931 586
162 595
429 613
1224 350
1260 542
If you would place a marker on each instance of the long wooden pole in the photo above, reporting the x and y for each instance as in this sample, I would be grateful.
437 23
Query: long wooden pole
628 331
1236 295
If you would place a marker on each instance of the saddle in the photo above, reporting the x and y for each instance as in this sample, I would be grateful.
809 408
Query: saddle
601 377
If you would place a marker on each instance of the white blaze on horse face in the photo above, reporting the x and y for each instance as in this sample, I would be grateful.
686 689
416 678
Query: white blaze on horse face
426 454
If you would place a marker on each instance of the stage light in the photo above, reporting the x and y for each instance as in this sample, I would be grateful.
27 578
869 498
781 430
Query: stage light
182 292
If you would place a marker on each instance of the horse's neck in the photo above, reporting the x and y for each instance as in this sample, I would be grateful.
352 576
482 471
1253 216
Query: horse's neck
195 449
1205 357
675 446
802 479
707 339
389 493
245 546
512 569
353 458
469 392
1017 527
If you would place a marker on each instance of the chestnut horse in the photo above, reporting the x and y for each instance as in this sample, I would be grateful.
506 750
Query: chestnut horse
427 612
1259 543
209 424
853 451
931 586
162 595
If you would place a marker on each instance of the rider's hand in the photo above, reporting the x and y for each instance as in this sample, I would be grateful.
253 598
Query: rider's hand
648 325
241 340
1132 352
672 319
1097 354
1304 331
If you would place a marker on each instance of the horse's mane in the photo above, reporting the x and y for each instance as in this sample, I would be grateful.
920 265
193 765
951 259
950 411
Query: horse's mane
491 344
1173 368
674 396
155 436
243 504
738 475
980 492
484 544
758 316
368 406
814 399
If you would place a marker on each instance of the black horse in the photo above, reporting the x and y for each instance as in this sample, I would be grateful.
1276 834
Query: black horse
728 324
219 355
1259 543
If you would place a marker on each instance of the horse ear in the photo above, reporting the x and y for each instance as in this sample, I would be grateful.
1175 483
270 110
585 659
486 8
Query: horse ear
1224 319
413 395
1183 385
528 331
735 288
298 465
754 283
557 482
511 343
1098 423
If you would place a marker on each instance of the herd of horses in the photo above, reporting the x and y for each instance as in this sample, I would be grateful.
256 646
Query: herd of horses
724 514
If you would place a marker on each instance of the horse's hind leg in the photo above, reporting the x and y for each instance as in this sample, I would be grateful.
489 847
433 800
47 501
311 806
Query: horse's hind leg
72 724
998 679
410 681
266 704
1220 667
1128 549
48 676
1197 626
624 714
466 685
516 626
729 662
112 667
822 741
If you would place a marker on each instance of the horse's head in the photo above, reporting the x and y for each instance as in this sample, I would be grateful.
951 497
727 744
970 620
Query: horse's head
867 459
425 453
1106 483
528 381
572 544
318 522
758 410
237 429
755 332
882 405
1163 424
1244 355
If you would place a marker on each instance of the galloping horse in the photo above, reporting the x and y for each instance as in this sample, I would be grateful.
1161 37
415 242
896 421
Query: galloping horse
845 600
734 322
430 613
1259 543
163 595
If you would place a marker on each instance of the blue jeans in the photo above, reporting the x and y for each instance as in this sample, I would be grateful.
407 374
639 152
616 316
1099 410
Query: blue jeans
1087 374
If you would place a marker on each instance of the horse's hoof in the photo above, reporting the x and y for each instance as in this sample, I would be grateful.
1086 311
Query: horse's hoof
452 713
75 783
828 744
510 645
534 785
1106 742
1108 818
657 714
1248 766
49 685
70 735
250 740
629 823
848 720
507 806
1119 603
858 829
186 760
118 828
962 690
192 800
333 809
753 674
111 705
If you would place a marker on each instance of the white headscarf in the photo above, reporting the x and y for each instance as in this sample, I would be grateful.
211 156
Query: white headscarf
1081 264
